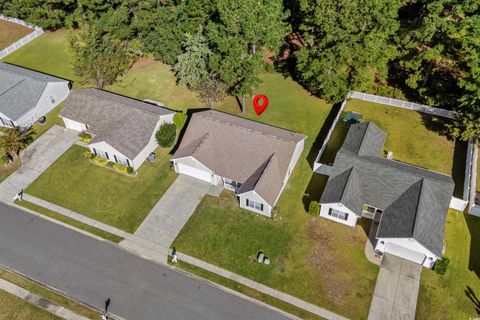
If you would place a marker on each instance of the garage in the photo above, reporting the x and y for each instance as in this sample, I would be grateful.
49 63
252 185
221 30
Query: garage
194 172
405 253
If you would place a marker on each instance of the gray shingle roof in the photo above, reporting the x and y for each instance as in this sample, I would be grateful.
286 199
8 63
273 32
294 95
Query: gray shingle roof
255 154
125 124
415 200
20 89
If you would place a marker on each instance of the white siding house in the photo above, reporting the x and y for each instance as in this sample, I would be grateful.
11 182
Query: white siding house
249 158
27 95
123 129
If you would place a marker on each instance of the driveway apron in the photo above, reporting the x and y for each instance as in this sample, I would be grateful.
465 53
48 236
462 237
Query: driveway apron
173 210
396 290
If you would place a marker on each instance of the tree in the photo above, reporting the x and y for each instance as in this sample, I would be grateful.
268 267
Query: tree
346 45
166 135
15 140
192 69
99 58
238 33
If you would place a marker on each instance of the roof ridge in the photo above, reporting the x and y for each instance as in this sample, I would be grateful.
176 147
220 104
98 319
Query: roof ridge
349 180
367 158
201 143
86 91
270 161
15 85
8 65
247 129
416 206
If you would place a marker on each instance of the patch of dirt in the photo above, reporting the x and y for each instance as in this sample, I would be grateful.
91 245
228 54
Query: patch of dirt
326 262
143 62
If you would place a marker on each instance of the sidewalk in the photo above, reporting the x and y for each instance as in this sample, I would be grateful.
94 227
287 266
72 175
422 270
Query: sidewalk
160 254
36 158
39 301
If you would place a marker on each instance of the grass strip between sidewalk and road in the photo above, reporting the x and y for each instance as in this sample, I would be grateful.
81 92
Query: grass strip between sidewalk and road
252 293
23 310
77 224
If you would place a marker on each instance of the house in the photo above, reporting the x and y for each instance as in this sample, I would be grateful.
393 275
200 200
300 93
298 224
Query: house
123 129
27 95
252 159
408 204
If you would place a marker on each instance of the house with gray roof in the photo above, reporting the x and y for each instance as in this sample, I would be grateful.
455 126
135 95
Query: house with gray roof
252 159
123 129
27 95
408 204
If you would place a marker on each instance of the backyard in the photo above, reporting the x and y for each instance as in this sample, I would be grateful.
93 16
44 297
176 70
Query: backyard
122 201
11 32
412 137
454 295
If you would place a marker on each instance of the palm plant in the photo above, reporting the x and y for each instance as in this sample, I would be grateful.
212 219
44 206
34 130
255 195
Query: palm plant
15 140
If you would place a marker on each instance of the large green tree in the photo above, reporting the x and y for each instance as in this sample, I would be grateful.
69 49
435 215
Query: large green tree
99 58
346 44
239 33
193 71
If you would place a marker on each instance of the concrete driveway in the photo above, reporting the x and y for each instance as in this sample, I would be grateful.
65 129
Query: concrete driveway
172 212
36 158
396 291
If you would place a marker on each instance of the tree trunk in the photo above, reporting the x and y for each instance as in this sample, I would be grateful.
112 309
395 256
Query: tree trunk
244 105
254 48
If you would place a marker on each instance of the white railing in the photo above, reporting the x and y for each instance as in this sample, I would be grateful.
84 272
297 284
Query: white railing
400 104
11 48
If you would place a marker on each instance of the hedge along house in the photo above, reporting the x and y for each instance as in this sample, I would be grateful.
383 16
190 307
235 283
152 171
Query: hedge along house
253 160
408 204
26 95
123 129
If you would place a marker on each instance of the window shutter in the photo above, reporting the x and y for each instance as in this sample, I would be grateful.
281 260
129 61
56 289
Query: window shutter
261 207
247 202
128 163
115 157
106 155
95 151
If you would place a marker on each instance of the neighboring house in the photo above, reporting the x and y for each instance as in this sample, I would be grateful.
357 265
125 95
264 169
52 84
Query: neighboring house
27 95
123 129
252 159
408 204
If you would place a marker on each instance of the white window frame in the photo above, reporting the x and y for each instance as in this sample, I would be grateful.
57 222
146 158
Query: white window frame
337 214
254 205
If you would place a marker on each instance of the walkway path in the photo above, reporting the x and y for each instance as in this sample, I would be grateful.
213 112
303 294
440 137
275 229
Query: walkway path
396 291
39 301
173 210
159 253
36 158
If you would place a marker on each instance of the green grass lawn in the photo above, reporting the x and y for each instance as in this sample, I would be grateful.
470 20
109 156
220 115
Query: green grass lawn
99 193
12 307
11 32
454 295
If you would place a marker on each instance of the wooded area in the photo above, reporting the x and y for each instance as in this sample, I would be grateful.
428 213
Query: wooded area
427 51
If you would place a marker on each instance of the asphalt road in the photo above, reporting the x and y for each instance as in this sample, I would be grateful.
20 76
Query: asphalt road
91 271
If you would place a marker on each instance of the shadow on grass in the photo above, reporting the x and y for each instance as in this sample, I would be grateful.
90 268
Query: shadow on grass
317 144
473 224
458 167
436 124
314 189
473 297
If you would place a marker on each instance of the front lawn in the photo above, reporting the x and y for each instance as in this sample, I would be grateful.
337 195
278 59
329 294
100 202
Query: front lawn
456 294
99 193
11 32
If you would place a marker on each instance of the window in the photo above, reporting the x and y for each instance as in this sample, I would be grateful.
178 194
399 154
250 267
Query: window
121 160
338 214
255 205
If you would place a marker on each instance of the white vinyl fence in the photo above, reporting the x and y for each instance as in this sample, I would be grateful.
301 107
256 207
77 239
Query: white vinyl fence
400 104
37 31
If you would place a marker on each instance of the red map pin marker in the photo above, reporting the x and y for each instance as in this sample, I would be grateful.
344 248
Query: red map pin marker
260 103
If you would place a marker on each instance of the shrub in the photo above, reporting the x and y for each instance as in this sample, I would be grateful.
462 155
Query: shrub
110 164
314 208
129 169
120 167
4 159
441 265
85 137
100 161
179 119
166 135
